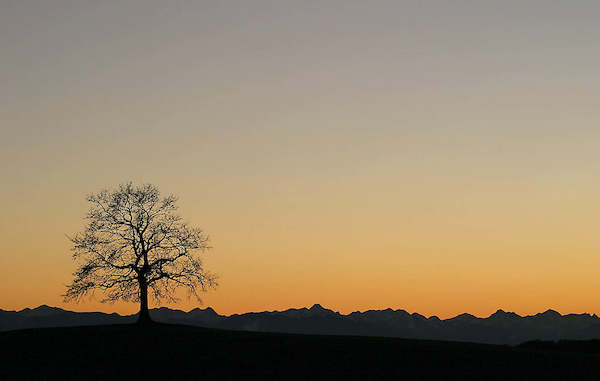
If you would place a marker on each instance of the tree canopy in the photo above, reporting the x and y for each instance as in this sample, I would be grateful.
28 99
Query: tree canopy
134 243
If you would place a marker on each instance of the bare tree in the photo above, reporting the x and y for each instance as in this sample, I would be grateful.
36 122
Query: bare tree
134 242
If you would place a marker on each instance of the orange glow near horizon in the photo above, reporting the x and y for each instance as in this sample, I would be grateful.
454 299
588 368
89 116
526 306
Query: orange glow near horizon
351 266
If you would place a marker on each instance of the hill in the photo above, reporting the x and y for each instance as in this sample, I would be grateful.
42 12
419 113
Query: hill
182 352
499 328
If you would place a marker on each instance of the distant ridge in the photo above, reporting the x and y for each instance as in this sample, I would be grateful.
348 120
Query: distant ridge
499 328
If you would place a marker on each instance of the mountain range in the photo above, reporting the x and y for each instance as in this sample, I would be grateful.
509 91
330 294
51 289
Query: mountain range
499 328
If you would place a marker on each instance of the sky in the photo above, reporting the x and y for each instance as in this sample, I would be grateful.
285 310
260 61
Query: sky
434 156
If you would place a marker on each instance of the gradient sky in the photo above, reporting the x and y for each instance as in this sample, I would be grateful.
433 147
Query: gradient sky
436 156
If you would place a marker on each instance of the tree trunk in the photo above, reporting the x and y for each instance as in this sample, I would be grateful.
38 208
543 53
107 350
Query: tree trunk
144 315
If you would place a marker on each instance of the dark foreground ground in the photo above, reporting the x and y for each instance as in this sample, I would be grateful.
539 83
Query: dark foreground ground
173 352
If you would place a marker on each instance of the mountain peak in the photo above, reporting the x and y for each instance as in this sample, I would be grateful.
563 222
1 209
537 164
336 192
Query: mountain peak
164 309
501 314
45 307
319 310
551 313
466 316
41 310
207 310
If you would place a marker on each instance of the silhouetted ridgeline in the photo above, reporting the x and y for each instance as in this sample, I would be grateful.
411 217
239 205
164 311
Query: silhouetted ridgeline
499 328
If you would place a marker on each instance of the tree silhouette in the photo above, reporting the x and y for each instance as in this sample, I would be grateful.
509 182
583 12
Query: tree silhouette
134 242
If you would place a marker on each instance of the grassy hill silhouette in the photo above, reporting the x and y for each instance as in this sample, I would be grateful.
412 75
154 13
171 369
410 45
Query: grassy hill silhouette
165 351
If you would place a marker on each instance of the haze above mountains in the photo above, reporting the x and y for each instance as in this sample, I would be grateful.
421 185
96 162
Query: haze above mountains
499 328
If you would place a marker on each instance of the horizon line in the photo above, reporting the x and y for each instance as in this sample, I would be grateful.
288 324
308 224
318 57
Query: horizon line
314 306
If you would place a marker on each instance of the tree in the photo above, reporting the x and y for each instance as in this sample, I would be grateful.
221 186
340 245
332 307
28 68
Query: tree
134 242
